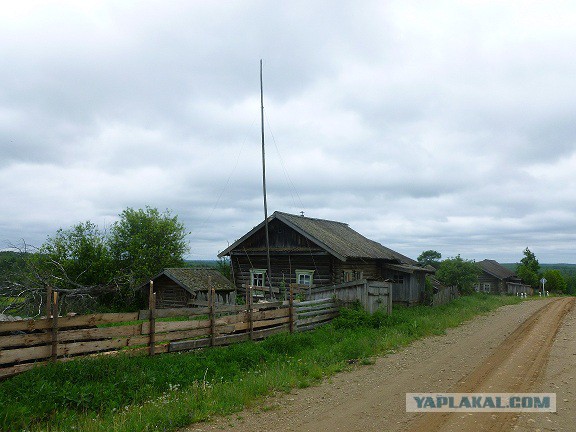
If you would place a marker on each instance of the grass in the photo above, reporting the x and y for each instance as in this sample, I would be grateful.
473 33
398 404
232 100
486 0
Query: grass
169 391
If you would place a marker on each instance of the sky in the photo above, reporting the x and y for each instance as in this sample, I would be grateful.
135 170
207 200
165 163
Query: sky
444 125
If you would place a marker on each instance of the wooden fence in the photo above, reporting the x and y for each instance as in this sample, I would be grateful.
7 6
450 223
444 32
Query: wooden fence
444 296
371 294
26 343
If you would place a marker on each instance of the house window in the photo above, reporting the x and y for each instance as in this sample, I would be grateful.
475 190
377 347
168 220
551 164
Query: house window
304 277
351 275
398 278
486 286
477 287
257 277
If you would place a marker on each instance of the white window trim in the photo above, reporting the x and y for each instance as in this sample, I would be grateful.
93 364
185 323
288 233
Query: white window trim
255 272
486 287
306 273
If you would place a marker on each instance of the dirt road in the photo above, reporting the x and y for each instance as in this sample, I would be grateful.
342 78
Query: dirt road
529 347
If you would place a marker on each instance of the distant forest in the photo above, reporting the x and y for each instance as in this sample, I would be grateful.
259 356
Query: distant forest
566 269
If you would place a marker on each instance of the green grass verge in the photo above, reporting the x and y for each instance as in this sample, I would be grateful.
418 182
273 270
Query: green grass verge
169 391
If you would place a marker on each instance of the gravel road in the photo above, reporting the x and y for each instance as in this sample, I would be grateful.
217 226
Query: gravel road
530 347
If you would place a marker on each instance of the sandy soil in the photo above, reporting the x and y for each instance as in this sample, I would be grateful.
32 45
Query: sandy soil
529 347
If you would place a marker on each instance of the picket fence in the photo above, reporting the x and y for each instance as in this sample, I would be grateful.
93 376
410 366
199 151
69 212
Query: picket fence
28 343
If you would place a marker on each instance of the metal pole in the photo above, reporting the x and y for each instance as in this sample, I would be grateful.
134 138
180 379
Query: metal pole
269 272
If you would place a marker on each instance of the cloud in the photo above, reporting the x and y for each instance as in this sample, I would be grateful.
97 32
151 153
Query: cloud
442 126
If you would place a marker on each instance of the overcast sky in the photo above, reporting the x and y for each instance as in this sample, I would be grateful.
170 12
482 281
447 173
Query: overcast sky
446 125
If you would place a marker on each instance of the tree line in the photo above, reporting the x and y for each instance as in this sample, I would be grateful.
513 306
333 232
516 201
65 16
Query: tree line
93 269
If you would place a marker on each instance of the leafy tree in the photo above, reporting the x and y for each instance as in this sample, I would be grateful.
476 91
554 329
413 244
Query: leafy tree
555 281
528 268
78 256
223 266
527 275
530 261
458 272
430 257
145 241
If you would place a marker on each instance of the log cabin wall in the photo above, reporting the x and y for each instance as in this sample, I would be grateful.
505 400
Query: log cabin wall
170 295
283 266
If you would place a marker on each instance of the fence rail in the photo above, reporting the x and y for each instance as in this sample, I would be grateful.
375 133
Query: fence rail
27 343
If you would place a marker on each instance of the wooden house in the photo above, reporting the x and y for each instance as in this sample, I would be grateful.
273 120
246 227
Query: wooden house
318 253
497 279
181 287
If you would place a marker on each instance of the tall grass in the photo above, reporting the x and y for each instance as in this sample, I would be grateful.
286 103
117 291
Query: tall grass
172 390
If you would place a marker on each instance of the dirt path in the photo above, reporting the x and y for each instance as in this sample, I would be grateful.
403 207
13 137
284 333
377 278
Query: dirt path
505 351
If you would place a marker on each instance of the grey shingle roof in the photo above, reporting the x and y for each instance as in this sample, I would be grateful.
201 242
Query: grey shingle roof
196 279
495 269
337 238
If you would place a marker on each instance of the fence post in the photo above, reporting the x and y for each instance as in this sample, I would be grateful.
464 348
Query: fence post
291 309
389 305
250 312
152 318
54 326
211 295
48 301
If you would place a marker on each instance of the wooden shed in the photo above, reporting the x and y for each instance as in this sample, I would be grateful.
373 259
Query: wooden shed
319 253
181 287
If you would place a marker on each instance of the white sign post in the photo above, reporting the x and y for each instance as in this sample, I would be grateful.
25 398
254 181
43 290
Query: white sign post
543 282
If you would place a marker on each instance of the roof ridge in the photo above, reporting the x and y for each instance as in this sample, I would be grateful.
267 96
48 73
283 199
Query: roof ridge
309 218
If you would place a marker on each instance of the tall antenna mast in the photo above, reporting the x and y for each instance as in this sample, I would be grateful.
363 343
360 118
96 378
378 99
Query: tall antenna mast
269 272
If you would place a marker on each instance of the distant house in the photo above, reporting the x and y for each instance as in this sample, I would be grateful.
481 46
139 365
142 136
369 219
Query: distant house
497 279
181 287
318 253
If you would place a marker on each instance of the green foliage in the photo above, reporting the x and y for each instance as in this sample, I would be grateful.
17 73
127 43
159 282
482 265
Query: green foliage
530 261
170 391
78 255
459 272
430 257
98 271
528 269
555 282
223 266
145 241
528 276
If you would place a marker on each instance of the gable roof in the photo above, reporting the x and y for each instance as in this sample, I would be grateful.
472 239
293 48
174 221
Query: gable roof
495 269
336 238
196 279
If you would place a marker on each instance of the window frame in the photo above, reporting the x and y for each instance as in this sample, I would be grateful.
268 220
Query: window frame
303 272
254 272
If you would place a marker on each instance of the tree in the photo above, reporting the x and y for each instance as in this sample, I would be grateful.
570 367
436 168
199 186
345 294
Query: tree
555 281
528 268
530 261
458 272
430 257
145 241
75 257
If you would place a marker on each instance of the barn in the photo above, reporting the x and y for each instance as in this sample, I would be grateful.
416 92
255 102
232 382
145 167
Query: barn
181 287
318 253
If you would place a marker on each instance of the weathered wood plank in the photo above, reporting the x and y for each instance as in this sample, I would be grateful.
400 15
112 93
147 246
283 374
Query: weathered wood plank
318 307
313 302
242 326
68 321
22 355
314 319
25 340
317 312
173 312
